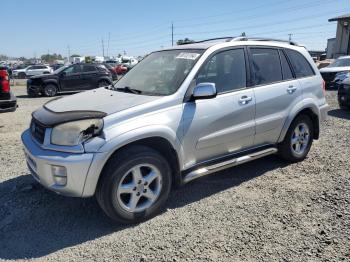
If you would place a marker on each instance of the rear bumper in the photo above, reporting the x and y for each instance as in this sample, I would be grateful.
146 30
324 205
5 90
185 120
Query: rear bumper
9 104
82 170
324 112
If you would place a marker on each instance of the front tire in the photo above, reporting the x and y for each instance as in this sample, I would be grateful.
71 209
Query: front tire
298 140
50 90
134 185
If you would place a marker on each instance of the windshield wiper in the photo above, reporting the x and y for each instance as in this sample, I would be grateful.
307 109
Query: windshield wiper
127 89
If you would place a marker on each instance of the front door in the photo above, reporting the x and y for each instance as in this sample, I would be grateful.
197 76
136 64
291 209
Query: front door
224 124
70 78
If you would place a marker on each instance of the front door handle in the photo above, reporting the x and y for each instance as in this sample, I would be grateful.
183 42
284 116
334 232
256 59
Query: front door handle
291 89
245 100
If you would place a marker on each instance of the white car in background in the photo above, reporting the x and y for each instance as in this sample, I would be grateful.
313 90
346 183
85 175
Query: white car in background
32 70
339 66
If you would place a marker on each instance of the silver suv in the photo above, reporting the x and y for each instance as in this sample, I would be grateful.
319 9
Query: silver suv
180 114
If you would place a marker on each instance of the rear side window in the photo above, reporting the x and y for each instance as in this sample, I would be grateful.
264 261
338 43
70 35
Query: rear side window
89 68
266 66
300 65
286 71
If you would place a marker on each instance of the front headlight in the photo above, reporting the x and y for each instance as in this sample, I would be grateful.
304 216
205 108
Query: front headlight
73 133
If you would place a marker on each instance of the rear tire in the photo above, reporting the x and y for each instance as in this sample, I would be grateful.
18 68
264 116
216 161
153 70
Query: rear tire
22 76
103 83
298 140
342 106
136 173
50 90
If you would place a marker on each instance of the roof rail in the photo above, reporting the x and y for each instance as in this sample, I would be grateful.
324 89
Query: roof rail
244 38
227 38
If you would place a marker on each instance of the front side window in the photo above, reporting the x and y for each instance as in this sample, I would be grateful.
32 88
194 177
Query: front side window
300 65
160 73
226 70
266 66
72 69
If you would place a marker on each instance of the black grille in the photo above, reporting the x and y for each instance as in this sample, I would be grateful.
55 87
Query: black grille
38 131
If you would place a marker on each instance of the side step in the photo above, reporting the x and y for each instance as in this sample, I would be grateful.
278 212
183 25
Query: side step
227 164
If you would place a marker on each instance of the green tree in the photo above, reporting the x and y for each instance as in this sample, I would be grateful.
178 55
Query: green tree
50 58
184 41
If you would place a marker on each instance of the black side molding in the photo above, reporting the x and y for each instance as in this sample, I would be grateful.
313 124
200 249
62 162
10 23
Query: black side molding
49 118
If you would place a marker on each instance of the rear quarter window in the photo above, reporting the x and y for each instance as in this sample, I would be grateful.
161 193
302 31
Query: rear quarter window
301 66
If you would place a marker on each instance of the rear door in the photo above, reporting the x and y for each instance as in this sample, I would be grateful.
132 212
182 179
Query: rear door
70 78
276 92
89 76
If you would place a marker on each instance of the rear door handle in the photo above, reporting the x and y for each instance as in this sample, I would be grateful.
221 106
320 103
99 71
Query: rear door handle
291 89
245 100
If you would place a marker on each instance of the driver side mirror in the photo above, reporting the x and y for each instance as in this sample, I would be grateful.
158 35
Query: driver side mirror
63 74
204 91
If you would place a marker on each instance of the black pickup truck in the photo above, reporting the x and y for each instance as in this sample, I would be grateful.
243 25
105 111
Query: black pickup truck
8 101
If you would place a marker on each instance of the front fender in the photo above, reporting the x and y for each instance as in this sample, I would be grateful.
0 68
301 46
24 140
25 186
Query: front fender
50 81
110 146
141 133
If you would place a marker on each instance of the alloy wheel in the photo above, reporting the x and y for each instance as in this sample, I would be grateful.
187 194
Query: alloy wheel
300 138
139 188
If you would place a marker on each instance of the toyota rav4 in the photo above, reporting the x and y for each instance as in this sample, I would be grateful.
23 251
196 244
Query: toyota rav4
180 114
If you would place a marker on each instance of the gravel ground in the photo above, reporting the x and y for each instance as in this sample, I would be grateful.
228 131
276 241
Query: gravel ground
265 210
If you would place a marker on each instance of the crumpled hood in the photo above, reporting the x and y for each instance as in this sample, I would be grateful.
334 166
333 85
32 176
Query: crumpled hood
331 69
101 99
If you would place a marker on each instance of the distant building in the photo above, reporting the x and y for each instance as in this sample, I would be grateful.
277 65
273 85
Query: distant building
342 41
330 47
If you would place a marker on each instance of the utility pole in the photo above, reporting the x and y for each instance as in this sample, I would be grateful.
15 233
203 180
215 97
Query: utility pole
109 36
68 49
290 37
172 34
103 49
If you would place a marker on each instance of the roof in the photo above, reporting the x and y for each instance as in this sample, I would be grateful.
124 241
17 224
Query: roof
342 17
205 44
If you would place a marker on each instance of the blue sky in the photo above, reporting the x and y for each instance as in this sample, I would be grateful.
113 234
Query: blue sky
137 27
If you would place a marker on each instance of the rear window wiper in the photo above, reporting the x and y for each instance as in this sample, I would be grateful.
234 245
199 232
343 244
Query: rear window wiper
127 89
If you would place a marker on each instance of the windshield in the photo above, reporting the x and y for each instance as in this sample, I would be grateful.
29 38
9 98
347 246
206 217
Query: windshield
59 69
340 62
160 73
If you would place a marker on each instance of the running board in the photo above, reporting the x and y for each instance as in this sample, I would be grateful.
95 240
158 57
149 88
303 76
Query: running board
227 164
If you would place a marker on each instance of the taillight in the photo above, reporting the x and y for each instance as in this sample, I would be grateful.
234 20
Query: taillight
5 83
324 87
5 86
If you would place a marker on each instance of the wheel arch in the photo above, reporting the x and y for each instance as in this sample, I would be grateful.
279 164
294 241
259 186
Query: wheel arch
159 143
104 79
53 82
311 111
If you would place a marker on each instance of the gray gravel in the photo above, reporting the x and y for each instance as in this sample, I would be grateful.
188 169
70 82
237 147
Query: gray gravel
266 210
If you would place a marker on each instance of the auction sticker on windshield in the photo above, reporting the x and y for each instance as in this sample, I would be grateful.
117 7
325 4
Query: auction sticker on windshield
190 56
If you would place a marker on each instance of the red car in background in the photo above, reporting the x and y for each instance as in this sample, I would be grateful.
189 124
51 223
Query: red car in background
121 69
8 101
